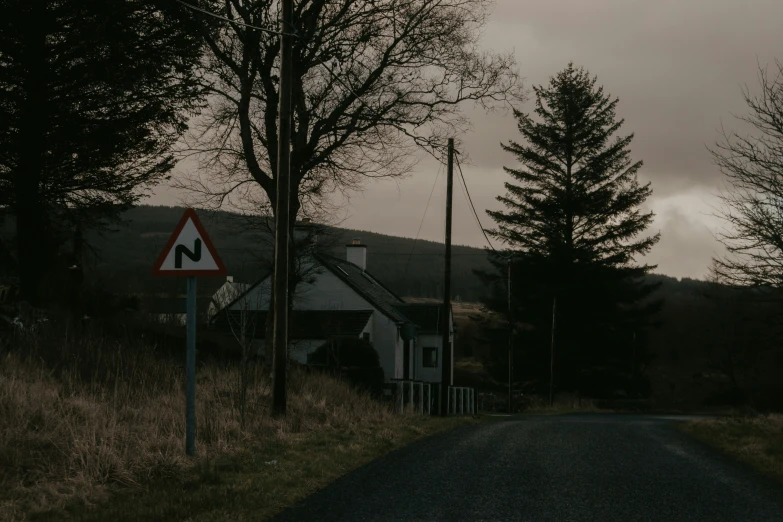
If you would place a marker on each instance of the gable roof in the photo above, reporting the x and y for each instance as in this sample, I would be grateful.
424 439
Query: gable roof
248 288
365 285
304 324
228 293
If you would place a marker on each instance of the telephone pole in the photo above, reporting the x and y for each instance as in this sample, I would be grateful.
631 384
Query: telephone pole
552 353
446 343
510 344
280 332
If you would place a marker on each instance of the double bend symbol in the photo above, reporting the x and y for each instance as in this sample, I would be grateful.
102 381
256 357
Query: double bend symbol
182 249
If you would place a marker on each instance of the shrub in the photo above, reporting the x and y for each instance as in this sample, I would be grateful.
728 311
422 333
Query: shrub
354 360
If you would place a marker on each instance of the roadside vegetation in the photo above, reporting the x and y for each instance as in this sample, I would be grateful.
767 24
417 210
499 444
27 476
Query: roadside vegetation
757 440
93 427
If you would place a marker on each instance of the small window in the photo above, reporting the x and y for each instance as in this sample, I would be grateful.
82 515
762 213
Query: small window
366 336
430 356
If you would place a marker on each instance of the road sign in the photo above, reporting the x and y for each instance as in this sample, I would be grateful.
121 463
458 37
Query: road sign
189 251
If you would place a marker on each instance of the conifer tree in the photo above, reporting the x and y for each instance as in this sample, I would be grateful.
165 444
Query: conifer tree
93 94
573 226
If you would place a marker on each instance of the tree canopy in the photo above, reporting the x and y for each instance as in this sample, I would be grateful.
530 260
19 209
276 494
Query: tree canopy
93 94
572 226
372 79
753 200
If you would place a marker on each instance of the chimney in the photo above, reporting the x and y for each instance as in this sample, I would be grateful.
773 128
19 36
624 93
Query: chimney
356 253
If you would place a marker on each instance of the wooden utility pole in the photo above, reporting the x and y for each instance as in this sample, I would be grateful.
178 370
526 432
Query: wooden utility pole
510 344
552 353
446 343
280 332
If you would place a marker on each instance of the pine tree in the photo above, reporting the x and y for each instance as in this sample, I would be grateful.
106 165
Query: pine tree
573 227
93 95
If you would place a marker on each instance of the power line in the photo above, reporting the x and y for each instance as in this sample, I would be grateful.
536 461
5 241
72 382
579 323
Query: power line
210 13
470 200
432 191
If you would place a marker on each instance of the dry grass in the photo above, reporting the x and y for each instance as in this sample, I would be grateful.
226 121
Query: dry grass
562 403
88 424
757 441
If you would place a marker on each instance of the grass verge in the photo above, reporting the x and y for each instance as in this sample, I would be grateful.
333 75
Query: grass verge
757 441
93 429
257 483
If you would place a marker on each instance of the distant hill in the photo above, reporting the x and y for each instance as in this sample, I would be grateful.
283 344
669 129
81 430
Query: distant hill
124 256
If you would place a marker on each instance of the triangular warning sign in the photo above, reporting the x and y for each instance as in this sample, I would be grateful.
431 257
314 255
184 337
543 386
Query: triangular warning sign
189 251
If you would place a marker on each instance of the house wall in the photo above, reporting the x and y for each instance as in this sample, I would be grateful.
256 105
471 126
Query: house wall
422 373
256 299
387 343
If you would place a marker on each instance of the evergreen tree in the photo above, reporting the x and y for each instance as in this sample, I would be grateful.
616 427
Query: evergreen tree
93 94
573 227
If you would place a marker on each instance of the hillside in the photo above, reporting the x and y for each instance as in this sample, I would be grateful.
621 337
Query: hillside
124 256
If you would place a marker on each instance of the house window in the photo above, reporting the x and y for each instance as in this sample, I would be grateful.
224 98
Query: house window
366 336
430 356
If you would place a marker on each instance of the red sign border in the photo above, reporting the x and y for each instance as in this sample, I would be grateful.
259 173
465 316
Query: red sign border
189 214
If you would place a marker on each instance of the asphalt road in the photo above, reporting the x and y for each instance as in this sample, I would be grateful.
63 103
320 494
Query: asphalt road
564 468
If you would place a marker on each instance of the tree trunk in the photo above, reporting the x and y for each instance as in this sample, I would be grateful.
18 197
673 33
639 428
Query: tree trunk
30 212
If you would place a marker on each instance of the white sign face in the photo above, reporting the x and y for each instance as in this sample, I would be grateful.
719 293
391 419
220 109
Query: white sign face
189 251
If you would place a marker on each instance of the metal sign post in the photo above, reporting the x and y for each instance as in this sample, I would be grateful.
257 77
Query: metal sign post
183 255
190 371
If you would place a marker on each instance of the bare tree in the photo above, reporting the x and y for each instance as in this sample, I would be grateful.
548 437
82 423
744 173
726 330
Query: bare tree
243 327
753 198
372 79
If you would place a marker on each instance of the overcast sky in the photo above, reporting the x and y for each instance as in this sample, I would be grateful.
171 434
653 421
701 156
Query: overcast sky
677 67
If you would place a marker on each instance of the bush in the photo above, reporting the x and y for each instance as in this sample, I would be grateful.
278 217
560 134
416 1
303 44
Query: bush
354 360
346 352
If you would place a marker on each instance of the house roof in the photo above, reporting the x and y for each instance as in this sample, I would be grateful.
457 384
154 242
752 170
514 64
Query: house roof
365 285
424 316
304 324
248 288
228 293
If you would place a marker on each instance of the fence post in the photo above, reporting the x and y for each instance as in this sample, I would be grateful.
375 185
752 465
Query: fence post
410 396
400 399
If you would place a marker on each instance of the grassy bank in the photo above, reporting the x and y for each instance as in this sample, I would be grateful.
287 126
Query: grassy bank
757 441
94 429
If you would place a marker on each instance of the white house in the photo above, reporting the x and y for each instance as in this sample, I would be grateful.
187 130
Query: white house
343 299
225 295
